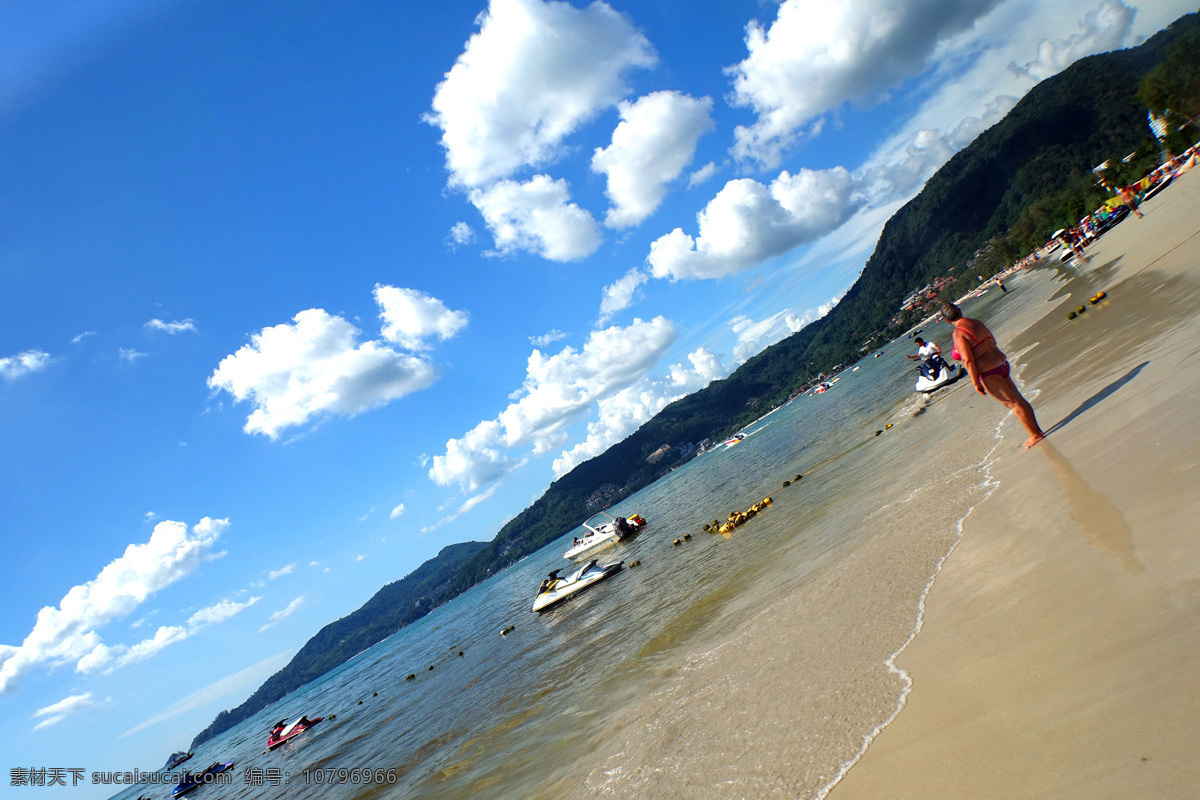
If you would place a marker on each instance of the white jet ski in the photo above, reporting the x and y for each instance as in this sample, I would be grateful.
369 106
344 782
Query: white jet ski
944 376
555 589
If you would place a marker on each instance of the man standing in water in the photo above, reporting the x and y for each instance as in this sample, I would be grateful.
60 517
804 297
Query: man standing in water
975 346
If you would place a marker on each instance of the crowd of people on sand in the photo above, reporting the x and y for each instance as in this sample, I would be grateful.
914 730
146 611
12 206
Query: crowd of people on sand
1125 200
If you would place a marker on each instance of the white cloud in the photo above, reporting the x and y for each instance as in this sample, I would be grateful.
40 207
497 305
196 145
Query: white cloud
531 75
287 610
62 709
818 55
411 318
316 366
461 234
23 363
287 569
80 337
655 140
68 632
550 337
171 327
397 511
747 223
129 354
537 216
556 391
701 175
110 658
620 294
622 413
1107 28
464 507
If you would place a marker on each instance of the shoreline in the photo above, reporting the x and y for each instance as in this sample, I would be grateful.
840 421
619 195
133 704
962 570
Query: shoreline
1010 699
723 721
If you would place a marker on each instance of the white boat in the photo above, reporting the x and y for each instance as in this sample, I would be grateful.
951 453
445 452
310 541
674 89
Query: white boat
605 535
732 440
554 589
945 375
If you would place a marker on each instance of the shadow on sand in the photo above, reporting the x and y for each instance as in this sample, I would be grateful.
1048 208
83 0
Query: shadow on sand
1098 398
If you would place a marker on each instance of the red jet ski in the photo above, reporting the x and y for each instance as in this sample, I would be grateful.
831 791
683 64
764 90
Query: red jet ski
282 731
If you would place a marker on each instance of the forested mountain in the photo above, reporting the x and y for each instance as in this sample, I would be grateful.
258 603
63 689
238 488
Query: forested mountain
1003 194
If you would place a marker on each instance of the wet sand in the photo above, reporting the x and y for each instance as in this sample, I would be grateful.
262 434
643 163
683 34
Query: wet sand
1062 638
1007 624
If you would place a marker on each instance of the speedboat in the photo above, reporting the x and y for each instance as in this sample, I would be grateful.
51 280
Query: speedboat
944 375
554 589
191 781
732 440
283 731
605 535
178 758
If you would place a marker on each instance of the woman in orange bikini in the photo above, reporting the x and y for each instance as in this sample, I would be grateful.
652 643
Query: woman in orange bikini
975 346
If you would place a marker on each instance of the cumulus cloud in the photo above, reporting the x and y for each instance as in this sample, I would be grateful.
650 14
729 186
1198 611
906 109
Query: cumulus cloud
315 366
286 611
397 511
556 391
171 327
620 294
461 234
549 337
68 632
537 216
622 413
655 140
748 222
701 175
817 55
62 709
411 318
23 363
1107 28
532 74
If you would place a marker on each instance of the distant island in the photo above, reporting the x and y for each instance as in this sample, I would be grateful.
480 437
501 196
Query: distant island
991 204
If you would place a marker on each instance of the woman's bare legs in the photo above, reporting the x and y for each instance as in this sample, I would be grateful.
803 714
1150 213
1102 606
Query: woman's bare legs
1003 389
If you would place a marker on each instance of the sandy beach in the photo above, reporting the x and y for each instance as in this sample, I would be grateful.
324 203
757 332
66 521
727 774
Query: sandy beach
1063 636
1009 624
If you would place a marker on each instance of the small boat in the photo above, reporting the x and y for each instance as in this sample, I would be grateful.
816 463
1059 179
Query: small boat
944 376
554 589
732 440
178 758
283 731
191 781
605 535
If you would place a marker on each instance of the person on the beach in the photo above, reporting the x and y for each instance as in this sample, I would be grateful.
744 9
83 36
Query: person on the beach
1130 199
930 354
975 346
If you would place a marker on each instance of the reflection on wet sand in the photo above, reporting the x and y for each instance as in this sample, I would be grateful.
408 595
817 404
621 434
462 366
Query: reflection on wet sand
1098 517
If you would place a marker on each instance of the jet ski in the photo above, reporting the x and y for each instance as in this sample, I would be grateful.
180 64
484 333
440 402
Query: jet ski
943 375
192 781
283 731
555 589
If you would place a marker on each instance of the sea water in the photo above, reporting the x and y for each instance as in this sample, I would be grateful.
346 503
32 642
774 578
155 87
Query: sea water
507 716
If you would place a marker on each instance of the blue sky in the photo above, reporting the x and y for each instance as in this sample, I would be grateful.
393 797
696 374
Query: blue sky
298 293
